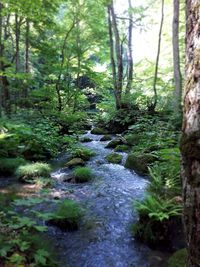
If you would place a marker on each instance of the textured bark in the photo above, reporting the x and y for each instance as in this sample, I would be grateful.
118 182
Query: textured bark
176 57
1 55
190 143
130 52
153 105
119 59
60 104
27 46
112 54
17 37
4 84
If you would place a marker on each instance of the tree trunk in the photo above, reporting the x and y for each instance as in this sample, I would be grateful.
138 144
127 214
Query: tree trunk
191 135
153 105
130 53
4 88
112 54
118 52
17 37
60 104
176 57
1 56
27 46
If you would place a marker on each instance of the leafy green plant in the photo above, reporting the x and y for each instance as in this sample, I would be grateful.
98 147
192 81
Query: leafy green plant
165 179
82 174
114 158
32 171
20 239
8 166
157 209
68 215
83 153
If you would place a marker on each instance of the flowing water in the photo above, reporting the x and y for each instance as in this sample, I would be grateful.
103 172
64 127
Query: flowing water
104 238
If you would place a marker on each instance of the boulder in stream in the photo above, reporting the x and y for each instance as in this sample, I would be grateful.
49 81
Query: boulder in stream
114 158
99 131
114 143
75 162
85 140
139 163
106 137
67 216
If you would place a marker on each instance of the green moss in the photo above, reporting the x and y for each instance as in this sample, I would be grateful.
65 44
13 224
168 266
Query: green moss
67 215
83 153
132 139
114 158
8 166
178 259
99 131
32 171
75 162
106 138
85 140
114 143
122 148
82 174
139 163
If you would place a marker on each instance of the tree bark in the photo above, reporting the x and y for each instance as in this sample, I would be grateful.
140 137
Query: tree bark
1 57
176 57
4 88
61 67
130 52
27 46
112 54
190 143
17 38
153 105
118 52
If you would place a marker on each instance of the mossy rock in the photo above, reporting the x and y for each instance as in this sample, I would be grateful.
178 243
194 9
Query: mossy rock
122 148
30 172
82 174
114 143
85 140
178 259
106 137
67 216
83 153
99 131
75 162
139 163
8 166
114 158
132 139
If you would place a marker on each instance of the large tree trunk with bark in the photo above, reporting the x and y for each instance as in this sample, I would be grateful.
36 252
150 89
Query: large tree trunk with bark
190 144
176 57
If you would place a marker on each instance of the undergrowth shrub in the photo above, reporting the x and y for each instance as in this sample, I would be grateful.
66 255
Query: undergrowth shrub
82 174
32 171
83 153
68 215
8 166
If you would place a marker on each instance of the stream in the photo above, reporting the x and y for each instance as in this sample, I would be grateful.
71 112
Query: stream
104 238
